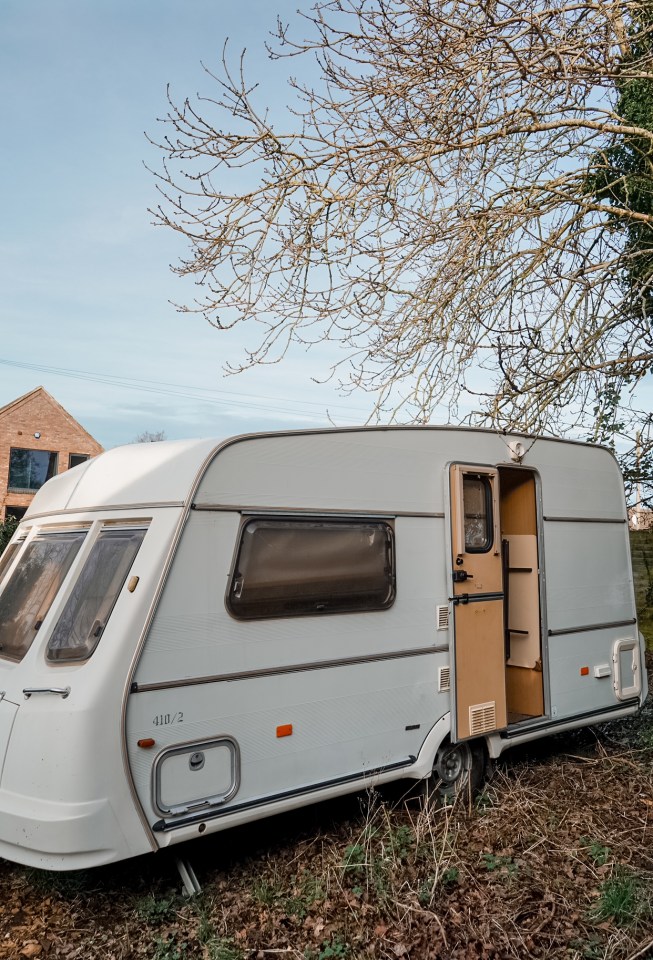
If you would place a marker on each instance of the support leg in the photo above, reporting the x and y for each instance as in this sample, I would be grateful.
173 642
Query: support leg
189 880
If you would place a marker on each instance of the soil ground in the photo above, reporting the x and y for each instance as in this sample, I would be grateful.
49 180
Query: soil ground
554 859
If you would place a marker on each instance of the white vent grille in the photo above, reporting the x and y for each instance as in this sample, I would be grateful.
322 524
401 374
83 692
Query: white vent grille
444 678
482 718
442 614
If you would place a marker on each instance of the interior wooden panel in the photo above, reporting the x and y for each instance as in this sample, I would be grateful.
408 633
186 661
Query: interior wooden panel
524 684
524 691
524 600
480 666
518 513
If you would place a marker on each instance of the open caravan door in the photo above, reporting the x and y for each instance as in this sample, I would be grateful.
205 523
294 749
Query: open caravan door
479 690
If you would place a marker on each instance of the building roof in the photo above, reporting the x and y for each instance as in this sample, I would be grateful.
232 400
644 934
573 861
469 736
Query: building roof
42 393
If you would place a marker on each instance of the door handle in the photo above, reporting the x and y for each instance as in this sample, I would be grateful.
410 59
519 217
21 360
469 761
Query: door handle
459 576
58 691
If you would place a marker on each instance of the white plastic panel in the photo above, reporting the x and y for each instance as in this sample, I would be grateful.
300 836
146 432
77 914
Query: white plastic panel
193 635
588 574
7 716
137 473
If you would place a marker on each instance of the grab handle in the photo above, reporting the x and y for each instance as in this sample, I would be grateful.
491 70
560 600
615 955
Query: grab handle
58 691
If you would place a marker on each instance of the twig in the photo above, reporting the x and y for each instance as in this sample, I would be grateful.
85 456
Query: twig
642 951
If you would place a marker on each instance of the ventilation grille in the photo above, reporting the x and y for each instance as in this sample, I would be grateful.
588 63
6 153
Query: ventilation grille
444 678
482 718
442 614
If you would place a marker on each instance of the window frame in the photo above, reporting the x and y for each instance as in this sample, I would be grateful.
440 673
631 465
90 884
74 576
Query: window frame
12 488
82 457
486 481
386 523
26 545
108 528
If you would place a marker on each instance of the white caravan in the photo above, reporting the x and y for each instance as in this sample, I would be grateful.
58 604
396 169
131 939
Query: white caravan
198 634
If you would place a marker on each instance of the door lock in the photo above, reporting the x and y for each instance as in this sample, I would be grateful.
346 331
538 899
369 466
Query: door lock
459 576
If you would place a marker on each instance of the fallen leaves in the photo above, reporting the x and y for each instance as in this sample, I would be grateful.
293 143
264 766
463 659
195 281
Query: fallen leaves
518 875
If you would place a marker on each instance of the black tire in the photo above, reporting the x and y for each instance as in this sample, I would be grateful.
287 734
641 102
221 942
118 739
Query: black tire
459 770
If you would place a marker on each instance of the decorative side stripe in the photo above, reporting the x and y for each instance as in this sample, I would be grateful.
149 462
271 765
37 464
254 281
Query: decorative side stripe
548 724
248 509
592 626
585 519
291 668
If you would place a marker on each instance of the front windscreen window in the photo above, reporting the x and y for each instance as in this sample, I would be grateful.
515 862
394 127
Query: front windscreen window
28 593
8 556
89 606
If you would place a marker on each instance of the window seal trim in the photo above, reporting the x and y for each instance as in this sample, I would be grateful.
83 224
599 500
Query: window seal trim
330 519
486 479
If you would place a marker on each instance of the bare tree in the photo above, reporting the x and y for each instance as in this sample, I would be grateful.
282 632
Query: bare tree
149 436
429 206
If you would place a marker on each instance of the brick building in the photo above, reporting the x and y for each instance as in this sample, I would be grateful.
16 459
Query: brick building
38 439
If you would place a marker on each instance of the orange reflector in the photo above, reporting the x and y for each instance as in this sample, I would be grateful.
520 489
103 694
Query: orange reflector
584 671
146 743
285 730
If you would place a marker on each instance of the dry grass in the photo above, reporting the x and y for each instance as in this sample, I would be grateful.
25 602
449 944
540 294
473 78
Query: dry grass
553 860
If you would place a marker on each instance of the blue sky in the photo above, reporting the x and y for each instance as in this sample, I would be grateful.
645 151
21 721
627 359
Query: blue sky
85 277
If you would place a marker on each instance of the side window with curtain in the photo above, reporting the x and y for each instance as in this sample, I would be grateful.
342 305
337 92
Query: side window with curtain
89 606
290 568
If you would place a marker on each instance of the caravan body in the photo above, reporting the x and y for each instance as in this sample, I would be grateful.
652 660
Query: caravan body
197 634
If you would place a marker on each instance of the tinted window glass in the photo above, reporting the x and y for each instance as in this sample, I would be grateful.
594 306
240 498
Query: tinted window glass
89 606
477 501
8 556
302 567
29 469
28 593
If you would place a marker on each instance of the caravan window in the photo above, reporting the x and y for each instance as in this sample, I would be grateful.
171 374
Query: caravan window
8 555
477 501
290 568
33 585
89 606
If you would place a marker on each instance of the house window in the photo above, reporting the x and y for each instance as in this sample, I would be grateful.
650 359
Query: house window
290 568
29 469
75 459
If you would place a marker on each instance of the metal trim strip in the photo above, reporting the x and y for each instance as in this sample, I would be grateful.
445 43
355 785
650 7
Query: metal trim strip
127 507
310 511
161 826
592 626
290 668
519 729
585 519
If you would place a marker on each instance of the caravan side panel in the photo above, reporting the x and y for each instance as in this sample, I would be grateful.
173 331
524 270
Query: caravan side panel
308 701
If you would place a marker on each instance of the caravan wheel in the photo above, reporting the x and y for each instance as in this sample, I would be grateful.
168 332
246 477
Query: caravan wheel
459 768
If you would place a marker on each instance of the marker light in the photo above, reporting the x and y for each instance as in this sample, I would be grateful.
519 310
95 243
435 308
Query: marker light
285 730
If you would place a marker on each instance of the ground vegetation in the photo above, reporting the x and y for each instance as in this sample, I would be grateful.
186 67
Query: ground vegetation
552 860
